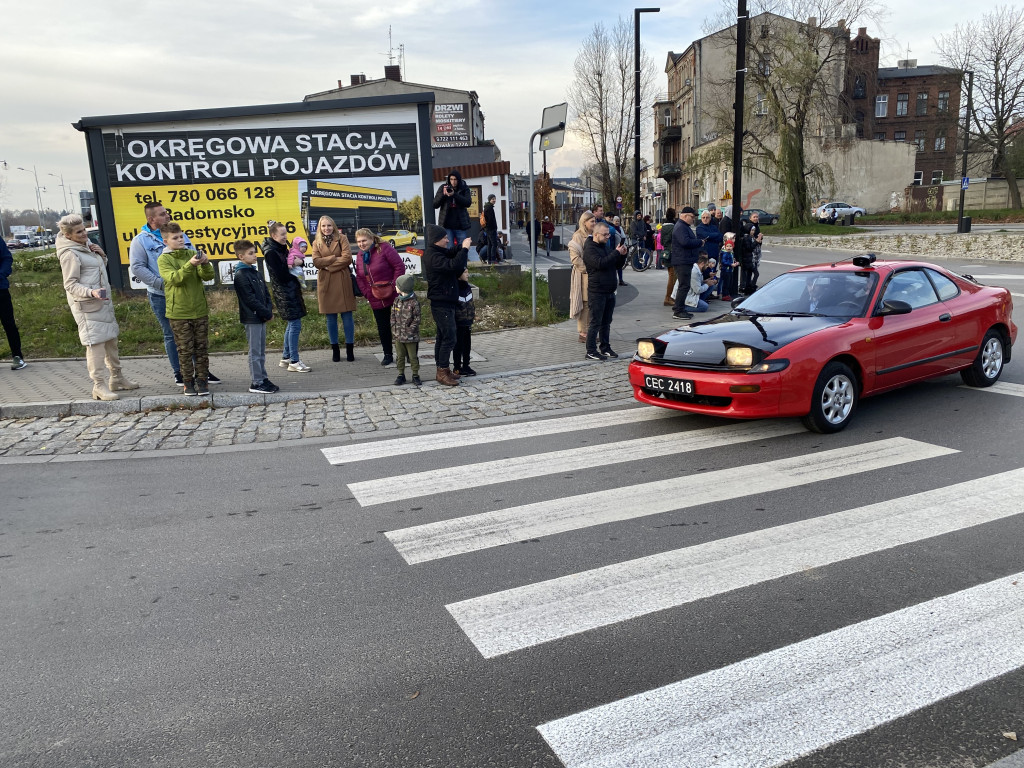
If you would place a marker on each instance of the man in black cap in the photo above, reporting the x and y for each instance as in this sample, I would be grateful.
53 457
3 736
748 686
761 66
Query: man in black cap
685 249
442 266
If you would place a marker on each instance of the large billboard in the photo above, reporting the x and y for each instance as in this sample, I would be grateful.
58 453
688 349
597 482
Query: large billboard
451 125
223 179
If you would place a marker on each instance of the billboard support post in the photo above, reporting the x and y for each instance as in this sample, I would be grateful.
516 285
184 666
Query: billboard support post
552 131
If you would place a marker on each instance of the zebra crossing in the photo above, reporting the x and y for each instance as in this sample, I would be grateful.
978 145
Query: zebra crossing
765 710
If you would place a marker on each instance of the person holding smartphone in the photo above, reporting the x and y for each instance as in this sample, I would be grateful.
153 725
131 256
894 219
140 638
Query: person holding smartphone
452 202
84 267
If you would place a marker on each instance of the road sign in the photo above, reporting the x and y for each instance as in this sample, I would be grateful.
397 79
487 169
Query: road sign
553 118
964 182
618 200
619 205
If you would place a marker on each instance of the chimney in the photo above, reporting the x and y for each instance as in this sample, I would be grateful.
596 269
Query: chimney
862 32
812 21
357 79
393 72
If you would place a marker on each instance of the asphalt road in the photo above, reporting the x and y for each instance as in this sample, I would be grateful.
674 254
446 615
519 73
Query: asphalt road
711 594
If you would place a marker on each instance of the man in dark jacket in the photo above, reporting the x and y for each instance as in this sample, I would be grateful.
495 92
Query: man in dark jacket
685 249
491 228
441 268
602 280
453 198
7 308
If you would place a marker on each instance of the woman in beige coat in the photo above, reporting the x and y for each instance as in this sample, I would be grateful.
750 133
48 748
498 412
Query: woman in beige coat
332 257
84 266
578 307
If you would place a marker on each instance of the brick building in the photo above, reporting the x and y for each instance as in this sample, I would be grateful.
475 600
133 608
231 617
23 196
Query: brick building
861 84
920 105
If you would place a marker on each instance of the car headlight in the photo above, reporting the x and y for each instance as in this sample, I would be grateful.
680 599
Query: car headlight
645 349
770 366
740 357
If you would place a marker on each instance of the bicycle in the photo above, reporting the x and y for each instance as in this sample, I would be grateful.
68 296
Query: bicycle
640 258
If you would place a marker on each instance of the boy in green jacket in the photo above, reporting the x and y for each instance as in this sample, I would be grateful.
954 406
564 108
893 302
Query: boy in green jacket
183 271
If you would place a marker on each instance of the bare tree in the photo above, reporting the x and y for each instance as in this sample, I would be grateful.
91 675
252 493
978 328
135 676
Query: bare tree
602 102
993 48
796 58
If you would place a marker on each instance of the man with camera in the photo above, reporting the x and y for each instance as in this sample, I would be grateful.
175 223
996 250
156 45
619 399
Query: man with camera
453 199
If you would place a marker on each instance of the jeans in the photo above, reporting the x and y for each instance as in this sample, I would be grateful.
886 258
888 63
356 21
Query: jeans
158 302
455 237
7 320
291 341
492 246
256 333
347 323
702 306
444 341
602 305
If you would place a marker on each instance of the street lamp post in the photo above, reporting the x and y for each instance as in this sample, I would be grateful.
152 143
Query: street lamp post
39 198
63 190
636 137
967 137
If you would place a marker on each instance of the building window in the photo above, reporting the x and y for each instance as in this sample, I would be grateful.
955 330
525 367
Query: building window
761 105
668 117
902 101
918 178
919 140
900 136
937 177
860 87
764 66
882 105
940 143
764 31
943 101
880 136
922 103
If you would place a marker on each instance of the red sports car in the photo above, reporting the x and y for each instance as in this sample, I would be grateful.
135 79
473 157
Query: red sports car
816 339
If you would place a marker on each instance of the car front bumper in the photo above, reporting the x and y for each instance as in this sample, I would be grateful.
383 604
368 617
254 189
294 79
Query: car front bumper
715 394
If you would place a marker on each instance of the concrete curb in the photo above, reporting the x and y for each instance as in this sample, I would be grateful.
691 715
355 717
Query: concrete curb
63 408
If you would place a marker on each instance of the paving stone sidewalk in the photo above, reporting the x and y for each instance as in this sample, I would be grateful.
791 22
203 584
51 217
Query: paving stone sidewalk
373 410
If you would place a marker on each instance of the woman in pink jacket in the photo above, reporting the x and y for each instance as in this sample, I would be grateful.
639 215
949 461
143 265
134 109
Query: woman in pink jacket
378 266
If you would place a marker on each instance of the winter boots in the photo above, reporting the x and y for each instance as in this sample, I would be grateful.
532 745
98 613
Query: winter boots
444 376
336 353
101 392
118 383
349 352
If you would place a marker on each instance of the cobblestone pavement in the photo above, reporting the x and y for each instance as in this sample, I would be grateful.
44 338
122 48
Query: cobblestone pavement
345 414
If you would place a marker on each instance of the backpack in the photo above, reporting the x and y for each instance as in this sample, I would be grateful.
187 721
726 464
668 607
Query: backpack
666 237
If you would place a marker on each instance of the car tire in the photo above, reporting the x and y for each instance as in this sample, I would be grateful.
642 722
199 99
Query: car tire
834 399
988 365
413 241
392 243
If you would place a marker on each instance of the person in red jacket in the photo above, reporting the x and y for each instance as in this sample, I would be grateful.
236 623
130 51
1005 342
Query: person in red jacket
548 230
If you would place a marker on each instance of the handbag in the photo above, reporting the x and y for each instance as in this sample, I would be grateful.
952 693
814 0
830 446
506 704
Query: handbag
355 284
380 290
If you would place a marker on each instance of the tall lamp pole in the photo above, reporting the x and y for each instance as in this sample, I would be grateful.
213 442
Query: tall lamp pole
737 139
39 198
63 189
967 137
2 230
636 118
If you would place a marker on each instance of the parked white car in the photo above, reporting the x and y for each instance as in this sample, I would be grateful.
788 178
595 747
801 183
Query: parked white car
841 209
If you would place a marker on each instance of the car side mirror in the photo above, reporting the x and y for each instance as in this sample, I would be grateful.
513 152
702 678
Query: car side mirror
736 302
894 307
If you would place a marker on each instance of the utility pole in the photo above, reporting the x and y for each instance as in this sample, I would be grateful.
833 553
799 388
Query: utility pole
967 138
737 137
636 98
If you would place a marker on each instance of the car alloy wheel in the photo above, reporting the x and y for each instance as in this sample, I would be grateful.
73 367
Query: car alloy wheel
834 399
392 243
988 365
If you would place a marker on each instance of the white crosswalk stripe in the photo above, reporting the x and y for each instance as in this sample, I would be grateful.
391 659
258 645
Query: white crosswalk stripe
491 529
519 618
773 708
403 446
1000 388
456 478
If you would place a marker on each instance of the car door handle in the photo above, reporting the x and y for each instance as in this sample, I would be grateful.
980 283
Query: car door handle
945 317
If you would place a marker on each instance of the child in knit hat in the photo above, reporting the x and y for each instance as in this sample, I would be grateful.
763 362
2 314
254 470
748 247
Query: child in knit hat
405 328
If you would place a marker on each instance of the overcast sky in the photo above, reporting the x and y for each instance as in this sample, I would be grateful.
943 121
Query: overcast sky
64 60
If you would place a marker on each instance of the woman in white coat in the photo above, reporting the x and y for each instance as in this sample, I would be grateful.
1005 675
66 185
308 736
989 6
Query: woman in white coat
84 266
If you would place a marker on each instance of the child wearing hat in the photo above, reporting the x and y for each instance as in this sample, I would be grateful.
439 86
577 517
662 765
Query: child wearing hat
405 328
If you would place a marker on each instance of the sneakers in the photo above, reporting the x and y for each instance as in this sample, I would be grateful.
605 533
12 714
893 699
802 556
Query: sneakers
400 380
727 297
682 315
17 363
285 362
467 371
202 387
609 352
178 380
212 379
299 367
595 356
190 388
263 388
416 380
388 360
272 385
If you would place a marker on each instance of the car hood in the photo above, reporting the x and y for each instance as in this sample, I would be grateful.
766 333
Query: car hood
705 343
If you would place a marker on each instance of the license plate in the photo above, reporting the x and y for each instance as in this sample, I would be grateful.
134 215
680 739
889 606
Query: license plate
672 386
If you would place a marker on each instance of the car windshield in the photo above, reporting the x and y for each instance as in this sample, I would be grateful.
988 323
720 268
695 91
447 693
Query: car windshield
831 294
